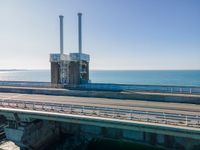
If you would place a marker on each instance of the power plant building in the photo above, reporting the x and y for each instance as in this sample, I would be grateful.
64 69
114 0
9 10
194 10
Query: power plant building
72 69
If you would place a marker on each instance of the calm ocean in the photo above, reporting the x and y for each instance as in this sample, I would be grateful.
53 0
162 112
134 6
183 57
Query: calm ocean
153 77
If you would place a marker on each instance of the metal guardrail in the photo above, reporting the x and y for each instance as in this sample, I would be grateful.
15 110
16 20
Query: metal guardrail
112 87
143 88
117 113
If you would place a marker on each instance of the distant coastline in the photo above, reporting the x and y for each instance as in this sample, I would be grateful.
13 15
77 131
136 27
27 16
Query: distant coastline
13 69
107 70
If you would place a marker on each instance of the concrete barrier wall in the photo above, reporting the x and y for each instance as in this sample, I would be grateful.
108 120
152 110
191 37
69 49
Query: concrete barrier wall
180 98
110 87
25 84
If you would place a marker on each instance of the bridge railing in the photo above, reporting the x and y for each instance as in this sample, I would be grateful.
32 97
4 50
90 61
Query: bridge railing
111 87
138 88
132 114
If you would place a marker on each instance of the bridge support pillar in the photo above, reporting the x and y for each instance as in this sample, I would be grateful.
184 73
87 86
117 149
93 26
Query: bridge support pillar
33 135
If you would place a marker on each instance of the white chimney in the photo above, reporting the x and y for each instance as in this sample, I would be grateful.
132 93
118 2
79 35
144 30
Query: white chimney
61 34
79 33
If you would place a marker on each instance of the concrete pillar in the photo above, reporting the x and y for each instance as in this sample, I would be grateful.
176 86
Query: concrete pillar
32 136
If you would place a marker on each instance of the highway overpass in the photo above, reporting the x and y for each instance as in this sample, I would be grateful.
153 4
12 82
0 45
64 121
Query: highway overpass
163 124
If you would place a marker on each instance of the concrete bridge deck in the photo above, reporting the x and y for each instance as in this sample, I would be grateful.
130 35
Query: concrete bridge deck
174 113
126 95
104 102
126 119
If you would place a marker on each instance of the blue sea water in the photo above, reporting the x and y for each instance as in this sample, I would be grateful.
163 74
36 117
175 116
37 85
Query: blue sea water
147 77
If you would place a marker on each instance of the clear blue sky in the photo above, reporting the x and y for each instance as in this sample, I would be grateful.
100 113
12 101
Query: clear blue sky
118 34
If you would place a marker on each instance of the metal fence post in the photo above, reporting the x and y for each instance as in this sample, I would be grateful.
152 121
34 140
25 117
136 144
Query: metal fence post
61 108
82 110
180 90
131 114
186 120
43 106
33 105
70 109
93 110
164 117
190 90
25 105
147 116
52 108
116 113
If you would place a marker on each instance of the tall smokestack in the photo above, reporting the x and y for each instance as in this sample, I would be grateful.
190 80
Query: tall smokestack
79 33
61 34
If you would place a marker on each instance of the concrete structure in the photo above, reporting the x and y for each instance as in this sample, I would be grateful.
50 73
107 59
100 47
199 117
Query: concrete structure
73 69
189 90
159 95
79 68
32 126
35 120
8 145
59 69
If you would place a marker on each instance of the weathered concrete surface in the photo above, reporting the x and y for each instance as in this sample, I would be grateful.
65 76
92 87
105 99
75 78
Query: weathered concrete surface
89 132
2 124
128 95
166 129
2 119
9 145
79 135
32 136
87 127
